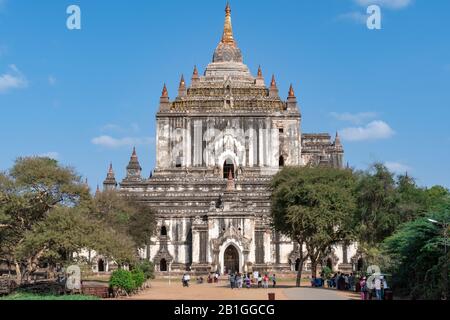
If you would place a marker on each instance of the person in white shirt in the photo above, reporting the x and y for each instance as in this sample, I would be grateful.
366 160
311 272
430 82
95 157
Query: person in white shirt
378 285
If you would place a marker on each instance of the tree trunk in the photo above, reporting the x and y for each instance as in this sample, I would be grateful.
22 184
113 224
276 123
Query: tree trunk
313 269
299 273
18 273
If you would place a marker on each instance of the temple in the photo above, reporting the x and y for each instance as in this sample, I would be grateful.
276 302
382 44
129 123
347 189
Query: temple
219 143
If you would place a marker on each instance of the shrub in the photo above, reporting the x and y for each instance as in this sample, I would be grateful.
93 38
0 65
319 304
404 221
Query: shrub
327 272
122 279
138 278
147 268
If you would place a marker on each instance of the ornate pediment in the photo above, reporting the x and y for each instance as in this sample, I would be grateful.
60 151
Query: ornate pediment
231 233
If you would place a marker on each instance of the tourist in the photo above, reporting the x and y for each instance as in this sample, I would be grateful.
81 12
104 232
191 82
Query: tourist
378 287
259 280
363 285
266 281
346 282
351 282
232 280
238 281
185 279
274 280
216 277
248 283
255 277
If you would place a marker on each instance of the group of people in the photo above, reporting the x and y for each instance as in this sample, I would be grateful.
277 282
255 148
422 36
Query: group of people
349 282
238 280
379 287
342 281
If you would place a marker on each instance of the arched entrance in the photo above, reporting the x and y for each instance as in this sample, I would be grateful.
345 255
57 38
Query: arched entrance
163 265
227 167
101 265
231 260
360 264
297 264
281 162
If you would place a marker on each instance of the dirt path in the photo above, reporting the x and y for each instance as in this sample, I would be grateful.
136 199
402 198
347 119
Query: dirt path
175 291
161 290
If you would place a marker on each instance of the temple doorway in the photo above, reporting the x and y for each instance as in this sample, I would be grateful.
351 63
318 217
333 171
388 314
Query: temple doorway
231 260
227 167
101 265
163 265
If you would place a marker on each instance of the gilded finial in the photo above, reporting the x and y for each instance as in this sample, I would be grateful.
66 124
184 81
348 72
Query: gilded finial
165 93
134 152
291 92
195 74
227 37
182 82
273 83
111 168
260 75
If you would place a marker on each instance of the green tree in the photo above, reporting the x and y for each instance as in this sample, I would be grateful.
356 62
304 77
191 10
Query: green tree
314 207
377 215
417 260
28 193
48 215
126 216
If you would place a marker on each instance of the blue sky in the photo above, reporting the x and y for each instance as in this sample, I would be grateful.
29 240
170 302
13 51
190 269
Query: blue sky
86 97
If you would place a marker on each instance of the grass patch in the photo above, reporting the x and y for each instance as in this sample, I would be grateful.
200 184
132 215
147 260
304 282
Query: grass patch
31 296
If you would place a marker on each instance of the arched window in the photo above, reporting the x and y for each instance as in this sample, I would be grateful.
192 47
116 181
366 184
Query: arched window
163 231
163 265
227 167
281 162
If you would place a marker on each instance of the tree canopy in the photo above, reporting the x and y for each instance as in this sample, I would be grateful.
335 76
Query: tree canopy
48 215
314 207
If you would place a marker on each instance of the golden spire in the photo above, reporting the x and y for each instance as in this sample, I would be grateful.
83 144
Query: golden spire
182 82
273 83
291 92
227 37
260 72
195 74
164 92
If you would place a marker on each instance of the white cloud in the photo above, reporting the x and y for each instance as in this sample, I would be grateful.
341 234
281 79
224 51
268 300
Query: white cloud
51 80
12 79
354 16
51 155
355 118
375 130
391 4
110 142
112 127
397 167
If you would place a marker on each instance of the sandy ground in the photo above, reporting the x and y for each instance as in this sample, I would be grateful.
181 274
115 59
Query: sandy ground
162 290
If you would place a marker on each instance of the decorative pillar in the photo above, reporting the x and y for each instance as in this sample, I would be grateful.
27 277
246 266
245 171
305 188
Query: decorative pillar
200 242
